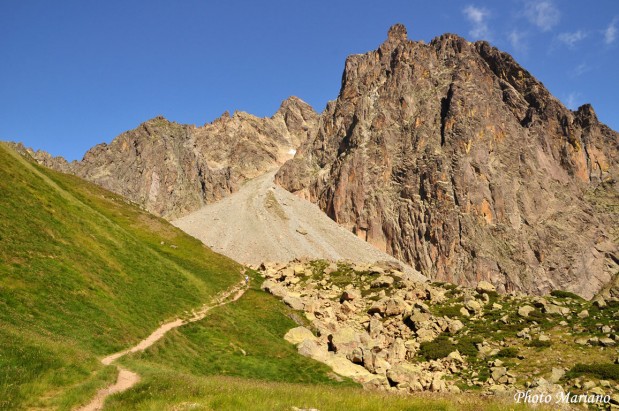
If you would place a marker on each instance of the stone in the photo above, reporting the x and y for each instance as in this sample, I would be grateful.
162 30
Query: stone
403 373
556 375
588 385
485 287
438 384
298 334
525 310
455 326
356 356
395 306
455 355
350 295
555 309
497 372
473 306
344 340
600 303
346 368
583 314
397 351
543 337
382 281
313 349
274 288
296 303
425 335
607 342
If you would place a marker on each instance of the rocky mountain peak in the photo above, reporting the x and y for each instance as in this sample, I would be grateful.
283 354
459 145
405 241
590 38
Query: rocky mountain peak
455 159
397 33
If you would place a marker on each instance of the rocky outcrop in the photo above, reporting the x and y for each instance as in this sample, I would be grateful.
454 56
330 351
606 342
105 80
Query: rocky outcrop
172 169
405 336
456 160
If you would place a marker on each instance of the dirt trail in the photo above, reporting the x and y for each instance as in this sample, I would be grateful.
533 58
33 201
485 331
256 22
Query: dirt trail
263 222
127 379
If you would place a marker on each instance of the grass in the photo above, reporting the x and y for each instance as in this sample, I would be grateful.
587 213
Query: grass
243 339
176 391
82 274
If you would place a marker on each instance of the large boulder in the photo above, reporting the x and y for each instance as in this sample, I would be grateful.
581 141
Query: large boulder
298 334
485 287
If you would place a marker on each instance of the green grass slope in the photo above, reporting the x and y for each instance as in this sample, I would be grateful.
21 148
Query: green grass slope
83 274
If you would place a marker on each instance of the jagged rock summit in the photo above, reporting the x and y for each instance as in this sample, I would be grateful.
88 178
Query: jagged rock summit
173 169
453 158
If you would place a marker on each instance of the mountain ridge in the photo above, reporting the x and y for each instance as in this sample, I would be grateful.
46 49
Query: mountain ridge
172 169
453 158
449 156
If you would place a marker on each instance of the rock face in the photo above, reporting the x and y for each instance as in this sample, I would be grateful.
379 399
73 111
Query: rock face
172 169
456 160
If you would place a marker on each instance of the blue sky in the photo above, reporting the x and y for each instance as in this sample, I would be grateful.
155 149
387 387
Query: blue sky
75 73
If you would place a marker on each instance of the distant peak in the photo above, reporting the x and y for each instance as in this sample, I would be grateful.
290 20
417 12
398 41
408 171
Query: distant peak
294 101
397 33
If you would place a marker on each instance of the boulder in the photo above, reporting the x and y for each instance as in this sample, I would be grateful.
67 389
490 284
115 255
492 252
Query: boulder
274 288
403 373
454 326
455 355
298 334
345 368
382 281
583 314
356 356
606 342
473 306
556 375
395 306
525 310
555 309
313 349
344 341
296 303
485 287
350 295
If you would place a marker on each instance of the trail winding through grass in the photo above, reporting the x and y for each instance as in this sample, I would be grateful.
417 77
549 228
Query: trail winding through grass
127 379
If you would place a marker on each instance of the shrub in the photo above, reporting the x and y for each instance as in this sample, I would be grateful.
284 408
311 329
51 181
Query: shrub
451 311
441 347
510 352
603 371
467 347
539 344
565 294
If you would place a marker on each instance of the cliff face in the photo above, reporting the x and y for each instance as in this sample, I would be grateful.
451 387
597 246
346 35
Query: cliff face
453 158
172 169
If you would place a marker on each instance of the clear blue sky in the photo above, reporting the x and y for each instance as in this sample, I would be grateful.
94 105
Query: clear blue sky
75 73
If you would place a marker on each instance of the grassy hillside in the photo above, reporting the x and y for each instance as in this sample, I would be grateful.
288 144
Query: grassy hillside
237 359
83 274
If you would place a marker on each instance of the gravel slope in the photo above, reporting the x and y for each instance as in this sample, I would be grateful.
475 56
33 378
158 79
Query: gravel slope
263 222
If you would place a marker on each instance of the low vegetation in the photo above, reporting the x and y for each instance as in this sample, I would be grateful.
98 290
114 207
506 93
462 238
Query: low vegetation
83 274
